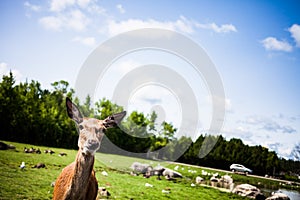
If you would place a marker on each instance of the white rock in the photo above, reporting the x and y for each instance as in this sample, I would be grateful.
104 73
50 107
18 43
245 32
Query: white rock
165 191
278 196
104 173
199 179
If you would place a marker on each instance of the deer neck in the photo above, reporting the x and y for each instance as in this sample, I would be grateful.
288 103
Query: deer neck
82 172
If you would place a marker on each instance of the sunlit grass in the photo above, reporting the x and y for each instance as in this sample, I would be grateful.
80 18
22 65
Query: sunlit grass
32 183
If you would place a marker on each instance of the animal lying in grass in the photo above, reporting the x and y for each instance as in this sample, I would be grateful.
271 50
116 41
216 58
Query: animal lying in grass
148 171
77 181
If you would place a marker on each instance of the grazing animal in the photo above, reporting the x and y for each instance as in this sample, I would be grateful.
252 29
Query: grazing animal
32 150
158 171
39 165
38 151
49 151
103 192
171 174
139 168
62 154
77 181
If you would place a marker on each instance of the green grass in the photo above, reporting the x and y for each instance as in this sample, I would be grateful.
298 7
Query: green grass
32 183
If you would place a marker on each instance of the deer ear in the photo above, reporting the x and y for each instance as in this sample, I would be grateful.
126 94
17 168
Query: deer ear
114 119
73 111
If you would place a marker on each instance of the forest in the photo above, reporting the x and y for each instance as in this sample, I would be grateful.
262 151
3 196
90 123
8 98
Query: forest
33 115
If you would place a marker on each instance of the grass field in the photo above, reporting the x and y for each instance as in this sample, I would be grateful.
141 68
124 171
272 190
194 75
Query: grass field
32 183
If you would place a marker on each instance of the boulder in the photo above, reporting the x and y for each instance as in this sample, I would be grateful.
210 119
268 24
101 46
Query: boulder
199 179
170 174
247 190
4 146
227 179
278 196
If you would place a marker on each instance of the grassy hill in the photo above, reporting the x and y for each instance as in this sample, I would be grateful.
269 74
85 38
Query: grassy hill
33 183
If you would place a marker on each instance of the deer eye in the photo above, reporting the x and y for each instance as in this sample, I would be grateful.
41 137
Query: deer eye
80 127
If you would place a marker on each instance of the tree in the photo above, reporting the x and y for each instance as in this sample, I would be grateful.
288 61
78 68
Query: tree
105 108
167 131
8 105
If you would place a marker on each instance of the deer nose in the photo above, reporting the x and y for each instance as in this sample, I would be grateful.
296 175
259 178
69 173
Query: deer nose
93 143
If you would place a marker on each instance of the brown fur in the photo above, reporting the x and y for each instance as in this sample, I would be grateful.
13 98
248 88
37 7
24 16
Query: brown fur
77 180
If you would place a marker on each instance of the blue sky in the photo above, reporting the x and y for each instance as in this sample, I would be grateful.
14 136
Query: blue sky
255 46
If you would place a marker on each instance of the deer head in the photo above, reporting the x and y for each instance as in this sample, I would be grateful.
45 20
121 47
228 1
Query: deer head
91 130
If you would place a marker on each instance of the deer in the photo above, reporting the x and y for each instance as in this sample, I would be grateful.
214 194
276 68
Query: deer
78 180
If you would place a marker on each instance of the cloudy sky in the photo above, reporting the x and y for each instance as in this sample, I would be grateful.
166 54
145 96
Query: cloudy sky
255 46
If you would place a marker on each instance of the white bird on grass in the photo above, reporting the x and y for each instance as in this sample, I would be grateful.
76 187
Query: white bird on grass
22 166
148 185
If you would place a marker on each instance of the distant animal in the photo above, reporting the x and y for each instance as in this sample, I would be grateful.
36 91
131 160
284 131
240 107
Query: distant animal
62 154
31 150
171 174
103 192
140 168
38 151
158 171
49 151
39 165
77 180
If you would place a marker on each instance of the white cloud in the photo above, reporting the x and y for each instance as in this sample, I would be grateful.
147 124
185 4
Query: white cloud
3 68
120 9
220 102
74 20
224 28
228 105
295 32
88 41
96 9
5 71
83 3
32 7
77 20
182 25
60 5
268 124
271 43
51 23
241 129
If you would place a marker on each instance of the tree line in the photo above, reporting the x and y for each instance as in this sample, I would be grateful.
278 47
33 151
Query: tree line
30 114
